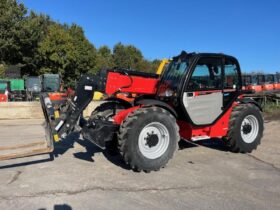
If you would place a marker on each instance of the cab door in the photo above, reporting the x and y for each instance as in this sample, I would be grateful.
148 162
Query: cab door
203 95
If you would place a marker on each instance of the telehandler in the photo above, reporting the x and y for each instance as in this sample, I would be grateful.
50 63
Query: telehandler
198 96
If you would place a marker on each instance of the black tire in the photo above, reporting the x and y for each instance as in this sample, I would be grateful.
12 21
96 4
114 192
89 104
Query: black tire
107 110
235 141
130 131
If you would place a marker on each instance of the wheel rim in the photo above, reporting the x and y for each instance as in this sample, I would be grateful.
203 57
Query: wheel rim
153 140
249 129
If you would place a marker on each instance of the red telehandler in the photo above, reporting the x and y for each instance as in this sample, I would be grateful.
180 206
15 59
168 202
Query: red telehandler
199 96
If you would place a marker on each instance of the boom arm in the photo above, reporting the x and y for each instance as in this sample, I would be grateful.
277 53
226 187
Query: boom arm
68 118
110 82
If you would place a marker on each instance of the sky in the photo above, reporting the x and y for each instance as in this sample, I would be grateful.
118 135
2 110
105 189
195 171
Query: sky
246 29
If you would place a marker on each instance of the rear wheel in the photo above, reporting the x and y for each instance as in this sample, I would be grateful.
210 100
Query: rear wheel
148 138
245 128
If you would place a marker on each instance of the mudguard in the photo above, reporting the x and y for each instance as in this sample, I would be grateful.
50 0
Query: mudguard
250 101
154 102
125 103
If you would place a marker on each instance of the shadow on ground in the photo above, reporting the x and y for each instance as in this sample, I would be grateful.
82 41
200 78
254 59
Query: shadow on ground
214 143
59 207
111 153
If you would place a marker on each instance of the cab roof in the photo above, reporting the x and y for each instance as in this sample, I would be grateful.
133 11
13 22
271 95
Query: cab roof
185 55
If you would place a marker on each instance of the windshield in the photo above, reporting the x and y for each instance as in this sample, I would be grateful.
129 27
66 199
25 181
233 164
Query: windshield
173 77
33 84
3 87
51 83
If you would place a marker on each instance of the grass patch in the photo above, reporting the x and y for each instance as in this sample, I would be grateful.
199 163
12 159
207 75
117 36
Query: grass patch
271 110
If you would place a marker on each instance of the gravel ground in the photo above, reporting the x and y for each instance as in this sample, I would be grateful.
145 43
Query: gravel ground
203 176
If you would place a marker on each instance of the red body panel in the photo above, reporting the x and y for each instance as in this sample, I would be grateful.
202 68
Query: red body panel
256 88
58 96
276 86
118 118
268 87
3 98
219 129
130 84
187 131
126 97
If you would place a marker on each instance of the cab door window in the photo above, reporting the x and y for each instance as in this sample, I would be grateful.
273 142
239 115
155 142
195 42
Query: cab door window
231 80
207 75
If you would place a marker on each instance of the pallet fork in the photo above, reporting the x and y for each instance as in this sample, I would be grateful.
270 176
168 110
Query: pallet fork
30 149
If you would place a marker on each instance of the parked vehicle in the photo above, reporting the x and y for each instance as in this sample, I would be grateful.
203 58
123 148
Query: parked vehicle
4 90
276 82
253 83
18 92
246 81
269 81
199 96
167 108
52 85
33 88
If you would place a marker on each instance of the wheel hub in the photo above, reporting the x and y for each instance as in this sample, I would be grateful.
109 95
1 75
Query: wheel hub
152 139
247 128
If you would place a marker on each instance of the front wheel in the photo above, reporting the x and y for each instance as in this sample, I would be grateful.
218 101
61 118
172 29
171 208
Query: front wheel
148 138
107 110
245 128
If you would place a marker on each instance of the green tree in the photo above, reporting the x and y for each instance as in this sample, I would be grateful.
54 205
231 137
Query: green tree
66 51
34 30
127 56
86 55
20 34
149 66
2 71
104 58
57 52
11 16
40 45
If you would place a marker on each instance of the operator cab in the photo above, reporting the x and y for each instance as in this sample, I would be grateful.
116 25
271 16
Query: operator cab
201 87
51 82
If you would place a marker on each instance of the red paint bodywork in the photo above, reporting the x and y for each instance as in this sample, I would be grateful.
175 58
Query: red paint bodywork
3 98
57 96
219 129
188 131
119 117
268 87
130 84
138 84
276 86
126 97
255 88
